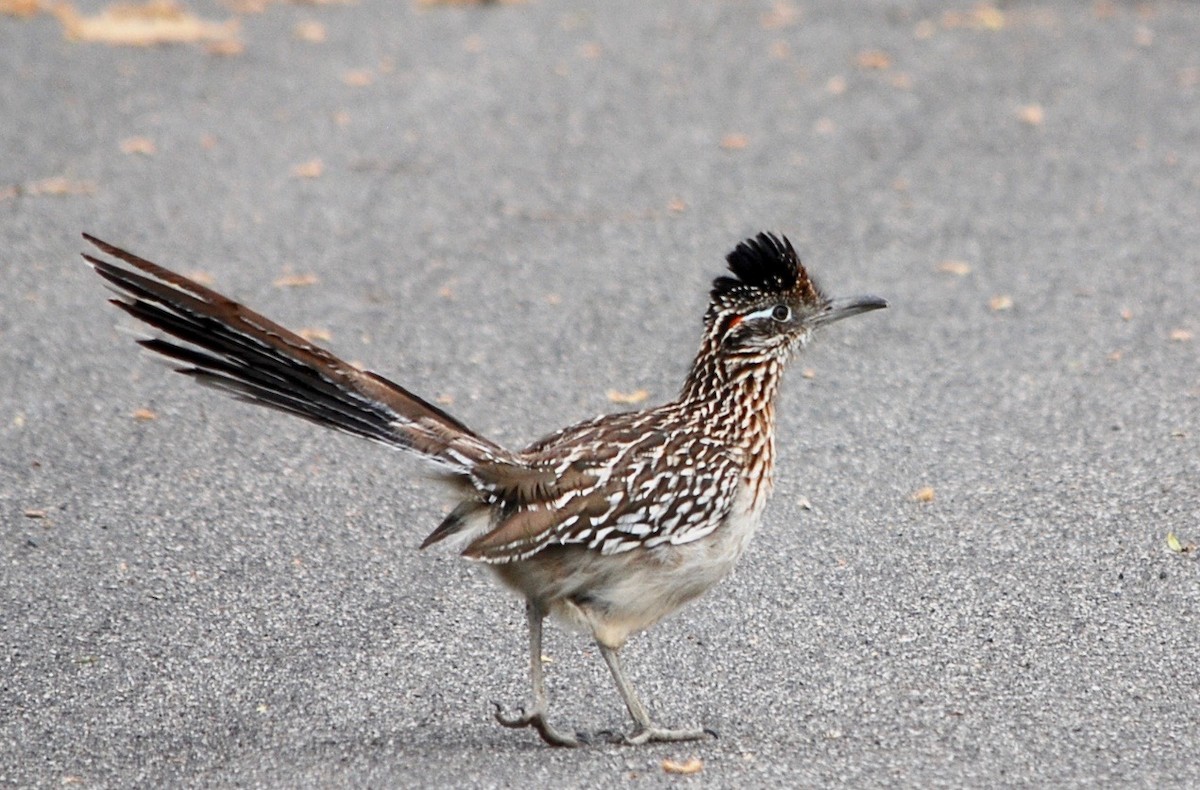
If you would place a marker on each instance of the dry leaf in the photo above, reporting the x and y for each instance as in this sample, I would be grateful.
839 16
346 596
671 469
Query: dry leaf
295 280
138 145
924 494
34 512
637 396
693 766
310 31
23 9
1180 335
144 415
310 169
258 6
873 59
734 141
1031 114
60 185
959 268
781 15
988 17
1001 302
133 25
313 334
358 78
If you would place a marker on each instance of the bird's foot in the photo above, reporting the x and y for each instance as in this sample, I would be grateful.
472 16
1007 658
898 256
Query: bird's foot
537 720
653 734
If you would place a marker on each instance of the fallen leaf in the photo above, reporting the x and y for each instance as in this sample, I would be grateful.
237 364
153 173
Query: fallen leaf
1180 335
781 15
295 280
1172 542
693 766
34 512
1031 114
144 415
310 31
138 145
358 78
1000 303
958 268
637 396
924 494
313 334
988 17
23 9
734 141
310 169
145 25
60 185
873 59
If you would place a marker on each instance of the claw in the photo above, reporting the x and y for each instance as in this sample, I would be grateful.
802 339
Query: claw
537 720
661 734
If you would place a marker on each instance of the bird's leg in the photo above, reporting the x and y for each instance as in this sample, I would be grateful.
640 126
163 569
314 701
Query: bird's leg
535 714
646 730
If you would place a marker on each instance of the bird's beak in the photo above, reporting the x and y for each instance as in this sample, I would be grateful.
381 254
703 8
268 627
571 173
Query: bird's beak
837 309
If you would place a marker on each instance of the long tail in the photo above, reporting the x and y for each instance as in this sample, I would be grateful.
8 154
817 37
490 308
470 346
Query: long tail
223 344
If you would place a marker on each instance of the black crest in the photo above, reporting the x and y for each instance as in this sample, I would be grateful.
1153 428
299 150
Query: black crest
763 266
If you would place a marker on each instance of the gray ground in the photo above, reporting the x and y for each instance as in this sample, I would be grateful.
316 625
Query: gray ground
520 212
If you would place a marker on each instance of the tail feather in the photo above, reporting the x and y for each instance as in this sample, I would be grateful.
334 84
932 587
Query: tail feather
224 344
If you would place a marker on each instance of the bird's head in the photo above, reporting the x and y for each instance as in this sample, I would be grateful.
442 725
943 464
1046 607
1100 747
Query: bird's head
770 307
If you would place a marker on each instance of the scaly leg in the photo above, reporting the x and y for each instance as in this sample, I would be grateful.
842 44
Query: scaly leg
646 730
535 715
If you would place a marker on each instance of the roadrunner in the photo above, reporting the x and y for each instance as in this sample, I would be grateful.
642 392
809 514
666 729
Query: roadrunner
609 525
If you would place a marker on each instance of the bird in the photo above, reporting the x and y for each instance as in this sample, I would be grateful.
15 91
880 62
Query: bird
607 526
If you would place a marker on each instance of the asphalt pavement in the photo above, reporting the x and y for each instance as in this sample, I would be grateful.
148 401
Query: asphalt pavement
979 566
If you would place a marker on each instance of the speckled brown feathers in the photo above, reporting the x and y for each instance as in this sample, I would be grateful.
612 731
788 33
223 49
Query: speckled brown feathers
609 525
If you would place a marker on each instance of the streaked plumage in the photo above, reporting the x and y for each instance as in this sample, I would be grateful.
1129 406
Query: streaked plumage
610 524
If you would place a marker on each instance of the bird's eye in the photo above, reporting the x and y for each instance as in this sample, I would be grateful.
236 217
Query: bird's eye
781 312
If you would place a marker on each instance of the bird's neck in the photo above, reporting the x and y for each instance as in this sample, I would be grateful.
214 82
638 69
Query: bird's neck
736 393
